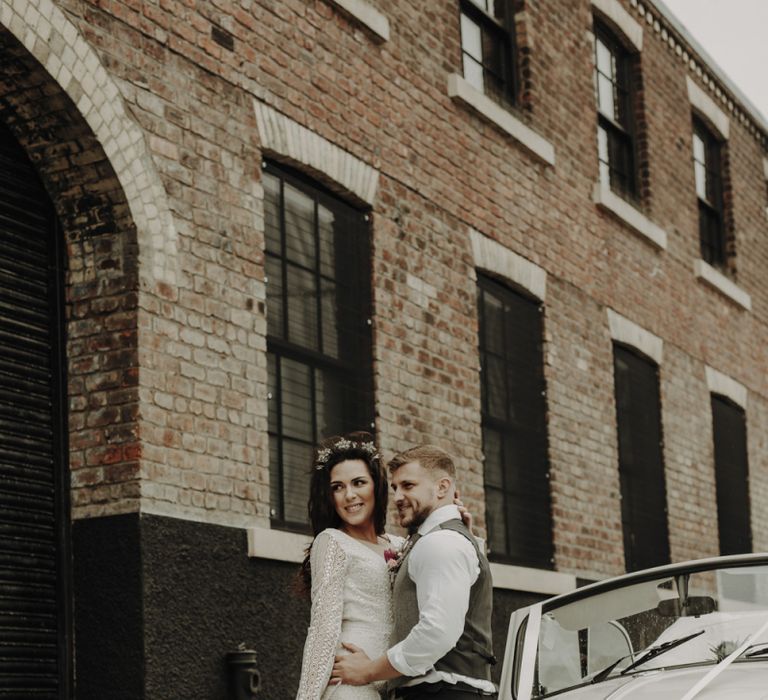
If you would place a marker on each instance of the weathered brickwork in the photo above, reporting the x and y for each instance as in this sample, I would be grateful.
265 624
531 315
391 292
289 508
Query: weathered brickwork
165 276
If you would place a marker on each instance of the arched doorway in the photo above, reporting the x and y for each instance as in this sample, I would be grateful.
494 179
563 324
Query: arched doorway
35 646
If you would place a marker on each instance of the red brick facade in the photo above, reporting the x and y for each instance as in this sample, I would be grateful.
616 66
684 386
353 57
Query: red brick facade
163 220
188 74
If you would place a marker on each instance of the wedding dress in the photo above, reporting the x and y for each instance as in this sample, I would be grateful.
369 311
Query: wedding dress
351 602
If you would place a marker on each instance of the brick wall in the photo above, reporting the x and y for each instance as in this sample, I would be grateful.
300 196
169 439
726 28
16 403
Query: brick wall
187 350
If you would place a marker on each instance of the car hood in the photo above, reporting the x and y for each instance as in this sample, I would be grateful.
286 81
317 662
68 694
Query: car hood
745 681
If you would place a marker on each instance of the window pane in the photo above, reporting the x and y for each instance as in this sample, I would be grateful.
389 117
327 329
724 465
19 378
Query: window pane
471 41
493 323
299 227
296 399
302 307
700 174
494 458
272 398
496 388
274 296
602 152
271 212
699 152
620 157
331 402
275 481
330 329
713 187
494 515
326 221
606 98
473 73
605 60
296 467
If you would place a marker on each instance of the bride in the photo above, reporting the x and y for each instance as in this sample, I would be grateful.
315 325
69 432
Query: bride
346 568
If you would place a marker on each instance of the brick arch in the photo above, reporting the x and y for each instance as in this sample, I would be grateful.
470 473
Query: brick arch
104 238
57 45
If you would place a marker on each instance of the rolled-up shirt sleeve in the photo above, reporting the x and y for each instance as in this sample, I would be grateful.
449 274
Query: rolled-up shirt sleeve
443 566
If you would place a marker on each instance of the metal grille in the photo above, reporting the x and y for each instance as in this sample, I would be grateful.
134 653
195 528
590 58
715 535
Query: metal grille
729 428
33 608
517 491
641 462
319 333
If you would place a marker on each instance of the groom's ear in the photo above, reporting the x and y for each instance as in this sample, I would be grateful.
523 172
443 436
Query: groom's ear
445 487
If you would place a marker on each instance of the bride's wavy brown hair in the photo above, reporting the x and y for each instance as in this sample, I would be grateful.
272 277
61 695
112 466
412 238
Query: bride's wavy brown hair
322 512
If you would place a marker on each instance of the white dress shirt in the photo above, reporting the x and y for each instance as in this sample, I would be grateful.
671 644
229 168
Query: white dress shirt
443 565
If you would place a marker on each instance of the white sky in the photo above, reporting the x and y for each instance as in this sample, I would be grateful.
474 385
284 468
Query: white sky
733 33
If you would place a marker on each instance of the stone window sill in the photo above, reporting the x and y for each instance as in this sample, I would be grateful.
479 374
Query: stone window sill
264 543
461 91
367 15
719 282
605 198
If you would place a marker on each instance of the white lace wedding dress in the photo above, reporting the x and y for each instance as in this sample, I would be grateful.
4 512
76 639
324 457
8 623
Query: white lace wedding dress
351 602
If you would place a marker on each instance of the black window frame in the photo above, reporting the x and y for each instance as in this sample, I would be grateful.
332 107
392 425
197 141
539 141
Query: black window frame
621 133
645 535
536 532
712 238
502 36
731 454
353 373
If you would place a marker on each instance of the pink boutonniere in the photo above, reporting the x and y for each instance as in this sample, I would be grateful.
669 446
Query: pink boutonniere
393 558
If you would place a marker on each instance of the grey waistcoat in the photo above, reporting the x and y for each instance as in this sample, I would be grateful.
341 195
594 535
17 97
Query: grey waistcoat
473 652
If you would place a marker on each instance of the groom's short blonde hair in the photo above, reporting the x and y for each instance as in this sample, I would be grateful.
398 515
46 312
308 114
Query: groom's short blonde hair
430 457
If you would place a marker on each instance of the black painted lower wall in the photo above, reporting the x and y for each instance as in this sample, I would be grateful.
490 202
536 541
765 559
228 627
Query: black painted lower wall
160 601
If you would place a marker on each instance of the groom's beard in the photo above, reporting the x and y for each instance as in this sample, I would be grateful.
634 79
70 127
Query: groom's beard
417 519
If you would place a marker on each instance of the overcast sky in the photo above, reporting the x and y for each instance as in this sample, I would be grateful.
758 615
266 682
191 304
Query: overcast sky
733 33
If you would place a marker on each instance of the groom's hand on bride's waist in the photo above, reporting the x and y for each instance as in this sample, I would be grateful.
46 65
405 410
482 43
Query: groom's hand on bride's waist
352 668
356 668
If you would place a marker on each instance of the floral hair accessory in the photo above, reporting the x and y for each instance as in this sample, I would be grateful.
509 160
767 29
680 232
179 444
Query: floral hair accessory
342 445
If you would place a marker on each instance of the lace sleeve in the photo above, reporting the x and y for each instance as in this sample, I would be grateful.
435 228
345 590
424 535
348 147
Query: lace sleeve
328 563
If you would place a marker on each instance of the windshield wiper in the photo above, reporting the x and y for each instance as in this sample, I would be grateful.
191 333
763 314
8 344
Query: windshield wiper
653 652
758 652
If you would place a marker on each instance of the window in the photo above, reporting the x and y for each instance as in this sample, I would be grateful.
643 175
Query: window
487 47
514 427
641 463
615 122
318 331
729 428
707 169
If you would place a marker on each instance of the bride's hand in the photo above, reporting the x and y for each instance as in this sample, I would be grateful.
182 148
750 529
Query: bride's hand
466 516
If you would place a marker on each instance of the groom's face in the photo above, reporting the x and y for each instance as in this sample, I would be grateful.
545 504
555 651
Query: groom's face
415 491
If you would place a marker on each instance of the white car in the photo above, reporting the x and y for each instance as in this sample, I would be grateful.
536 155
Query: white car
693 630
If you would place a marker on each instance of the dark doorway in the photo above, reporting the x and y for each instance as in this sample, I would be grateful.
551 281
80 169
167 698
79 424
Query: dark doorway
35 640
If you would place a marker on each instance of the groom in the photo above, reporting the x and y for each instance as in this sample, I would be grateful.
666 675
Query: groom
441 641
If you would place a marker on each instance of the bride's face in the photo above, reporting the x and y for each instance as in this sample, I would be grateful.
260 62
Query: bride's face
352 492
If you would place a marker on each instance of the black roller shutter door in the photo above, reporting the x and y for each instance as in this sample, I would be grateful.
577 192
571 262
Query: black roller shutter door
33 514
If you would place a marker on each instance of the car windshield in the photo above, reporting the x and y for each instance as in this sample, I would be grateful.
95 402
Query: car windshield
685 619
